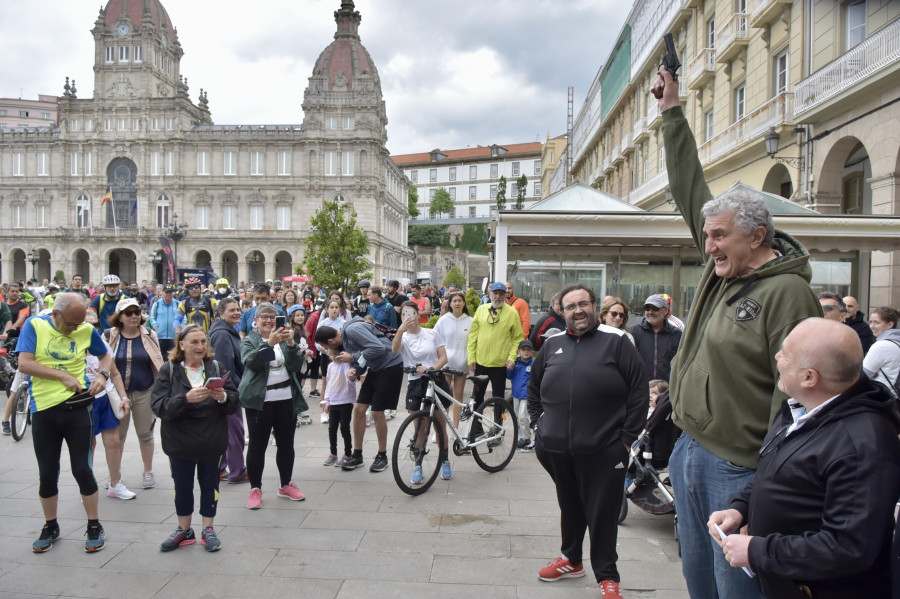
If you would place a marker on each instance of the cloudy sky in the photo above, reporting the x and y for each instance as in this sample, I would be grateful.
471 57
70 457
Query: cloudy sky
454 73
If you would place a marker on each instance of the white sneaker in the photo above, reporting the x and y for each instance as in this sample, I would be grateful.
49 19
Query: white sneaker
120 491
324 418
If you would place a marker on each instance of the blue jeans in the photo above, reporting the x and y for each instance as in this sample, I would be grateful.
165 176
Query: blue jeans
703 484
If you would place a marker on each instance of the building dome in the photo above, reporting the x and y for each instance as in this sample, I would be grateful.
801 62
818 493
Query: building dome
345 65
138 12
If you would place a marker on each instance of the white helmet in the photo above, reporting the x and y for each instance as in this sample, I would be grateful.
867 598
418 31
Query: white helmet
110 280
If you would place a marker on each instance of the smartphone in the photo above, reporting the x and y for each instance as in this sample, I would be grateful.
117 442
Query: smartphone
408 313
279 321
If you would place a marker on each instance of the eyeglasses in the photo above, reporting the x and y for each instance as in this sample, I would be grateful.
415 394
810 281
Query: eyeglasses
830 308
131 312
651 309
193 287
615 314
775 442
265 318
572 307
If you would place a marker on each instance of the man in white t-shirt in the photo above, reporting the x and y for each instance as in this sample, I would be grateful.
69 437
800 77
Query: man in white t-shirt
422 349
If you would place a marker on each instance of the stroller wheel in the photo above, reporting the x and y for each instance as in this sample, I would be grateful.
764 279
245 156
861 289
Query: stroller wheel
623 510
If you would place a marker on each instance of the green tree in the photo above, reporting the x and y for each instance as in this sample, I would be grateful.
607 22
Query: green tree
473 239
413 197
441 202
521 190
430 235
473 300
336 249
501 193
455 277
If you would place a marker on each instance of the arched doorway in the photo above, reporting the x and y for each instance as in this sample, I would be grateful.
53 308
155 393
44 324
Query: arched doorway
230 267
202 259
43 265
159 267
121 212
123 262
19 270
256 266
844 177
283 265
778 181
82 261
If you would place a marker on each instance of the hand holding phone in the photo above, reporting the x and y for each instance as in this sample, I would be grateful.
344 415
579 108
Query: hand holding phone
280 321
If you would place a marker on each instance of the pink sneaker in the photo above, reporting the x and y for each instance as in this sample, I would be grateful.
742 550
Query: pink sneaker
291 492
255 501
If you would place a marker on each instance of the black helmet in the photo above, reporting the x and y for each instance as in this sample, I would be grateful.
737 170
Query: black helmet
364 283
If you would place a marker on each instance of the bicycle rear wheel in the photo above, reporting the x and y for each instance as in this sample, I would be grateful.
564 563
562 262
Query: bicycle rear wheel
413 448
499 419
19 417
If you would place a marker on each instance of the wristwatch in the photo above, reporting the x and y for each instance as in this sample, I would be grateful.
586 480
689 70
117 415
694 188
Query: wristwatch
104 373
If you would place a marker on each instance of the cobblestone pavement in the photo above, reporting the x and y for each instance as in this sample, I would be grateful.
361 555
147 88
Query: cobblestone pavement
356 535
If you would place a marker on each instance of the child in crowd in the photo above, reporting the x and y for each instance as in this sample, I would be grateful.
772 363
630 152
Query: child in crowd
657 388
296 318
333 318
520 375
340 397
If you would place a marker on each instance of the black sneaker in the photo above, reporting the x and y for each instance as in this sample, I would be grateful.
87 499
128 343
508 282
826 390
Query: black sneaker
353 462
209 539
177 539
45 542
96 538
379 463
314 394
521 443
6 429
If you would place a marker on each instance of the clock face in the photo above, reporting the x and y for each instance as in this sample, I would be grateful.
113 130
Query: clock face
123 29
165 40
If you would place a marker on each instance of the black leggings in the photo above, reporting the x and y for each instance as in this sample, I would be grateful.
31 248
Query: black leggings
48 430
497 375
207 476
276 417
340 415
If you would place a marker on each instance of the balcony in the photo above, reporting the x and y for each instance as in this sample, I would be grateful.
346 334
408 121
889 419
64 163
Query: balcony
874 57
682 89
618 155
702 68
627 144
607 162
648 188
764 12
640 132
654 116
732 38
754 125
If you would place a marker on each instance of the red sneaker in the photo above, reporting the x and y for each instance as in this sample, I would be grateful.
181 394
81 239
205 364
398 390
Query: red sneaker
291 492
560 568
610 589
255 501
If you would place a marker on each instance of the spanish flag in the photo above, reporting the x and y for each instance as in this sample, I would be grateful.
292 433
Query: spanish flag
107 197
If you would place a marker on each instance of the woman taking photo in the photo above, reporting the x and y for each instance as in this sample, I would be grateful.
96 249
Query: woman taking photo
614 313
452 330
271 394
882 362
138 359
194 413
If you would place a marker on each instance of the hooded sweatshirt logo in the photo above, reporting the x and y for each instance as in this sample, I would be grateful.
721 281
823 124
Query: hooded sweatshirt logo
748 309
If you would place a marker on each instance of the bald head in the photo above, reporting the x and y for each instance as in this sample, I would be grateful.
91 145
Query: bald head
852 306
818 360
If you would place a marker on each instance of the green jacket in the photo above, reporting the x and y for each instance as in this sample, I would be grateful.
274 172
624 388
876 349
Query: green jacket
494 340
723 383
256 355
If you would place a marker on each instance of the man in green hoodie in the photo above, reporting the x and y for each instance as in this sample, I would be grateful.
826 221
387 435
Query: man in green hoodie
753 291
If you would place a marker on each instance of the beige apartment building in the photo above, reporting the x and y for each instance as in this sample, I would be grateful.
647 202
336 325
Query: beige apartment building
819 78
19 112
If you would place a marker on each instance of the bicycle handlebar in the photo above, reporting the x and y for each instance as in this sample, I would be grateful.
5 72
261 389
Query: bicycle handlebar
431 372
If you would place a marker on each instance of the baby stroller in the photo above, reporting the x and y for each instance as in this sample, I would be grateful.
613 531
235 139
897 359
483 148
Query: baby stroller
647 483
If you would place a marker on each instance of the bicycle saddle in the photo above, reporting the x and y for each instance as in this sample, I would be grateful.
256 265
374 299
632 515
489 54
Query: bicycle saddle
480 380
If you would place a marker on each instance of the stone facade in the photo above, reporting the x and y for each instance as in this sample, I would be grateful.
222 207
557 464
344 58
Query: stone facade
246 192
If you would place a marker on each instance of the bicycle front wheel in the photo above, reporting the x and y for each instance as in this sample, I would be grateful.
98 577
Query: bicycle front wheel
416 461
498 421
19 417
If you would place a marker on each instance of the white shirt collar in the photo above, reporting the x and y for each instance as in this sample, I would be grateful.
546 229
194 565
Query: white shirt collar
800 415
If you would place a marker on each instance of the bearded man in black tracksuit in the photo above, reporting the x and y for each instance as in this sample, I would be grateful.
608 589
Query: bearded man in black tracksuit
587 399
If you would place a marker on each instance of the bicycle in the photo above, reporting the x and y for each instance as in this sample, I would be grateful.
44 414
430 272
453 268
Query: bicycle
15 384
490 436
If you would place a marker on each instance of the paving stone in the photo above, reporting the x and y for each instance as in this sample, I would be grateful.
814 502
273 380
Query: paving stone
101 583
191 586
10 489
67 551
353 589
436 543
424 504
292 538
265 517
469 570
351 565
231 559
373 521
509 525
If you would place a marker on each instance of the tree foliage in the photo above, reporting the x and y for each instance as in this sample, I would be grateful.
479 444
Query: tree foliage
430 235
521 190
473 300
456 277
473 238
413 198
336 249
441 203
501 193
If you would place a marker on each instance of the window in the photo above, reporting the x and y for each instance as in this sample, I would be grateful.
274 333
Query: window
284 162
432 175
170 163
472 212
494 171
18 164
73 160
122 124
453 173
229 162
347 122
23 113
202 163
202 217
551 156
513 190
82 212
110 54
711 33
283 217
229 217
856 23
493 192
162 210
331 122
256 217
135 124
661 166
739 102
88 163
515 169
537 189
781 73
170 123
473 192
42 216
88 124
138 54
537 165
45 115
431 193
708 126
473 172
2 112
107 124
741 6
18 212
347 162
330 163
413 176
155 165
123 53
75 124
43 164
453 194
257 163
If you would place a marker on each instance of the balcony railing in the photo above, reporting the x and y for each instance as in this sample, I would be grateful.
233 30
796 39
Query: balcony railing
640 128
702 67
771 114
648 187
654 118
731 37
872 55
763 12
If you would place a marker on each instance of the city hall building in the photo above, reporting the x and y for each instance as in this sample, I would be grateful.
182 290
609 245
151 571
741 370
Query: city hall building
246 192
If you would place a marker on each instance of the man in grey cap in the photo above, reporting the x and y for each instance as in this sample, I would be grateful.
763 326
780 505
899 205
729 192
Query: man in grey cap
656 338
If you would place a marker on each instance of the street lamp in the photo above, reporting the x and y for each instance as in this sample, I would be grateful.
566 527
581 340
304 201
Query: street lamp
772 138
176 232
154 259
34 258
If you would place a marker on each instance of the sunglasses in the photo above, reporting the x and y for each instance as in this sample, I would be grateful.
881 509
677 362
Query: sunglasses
831 308
615 314
651 309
